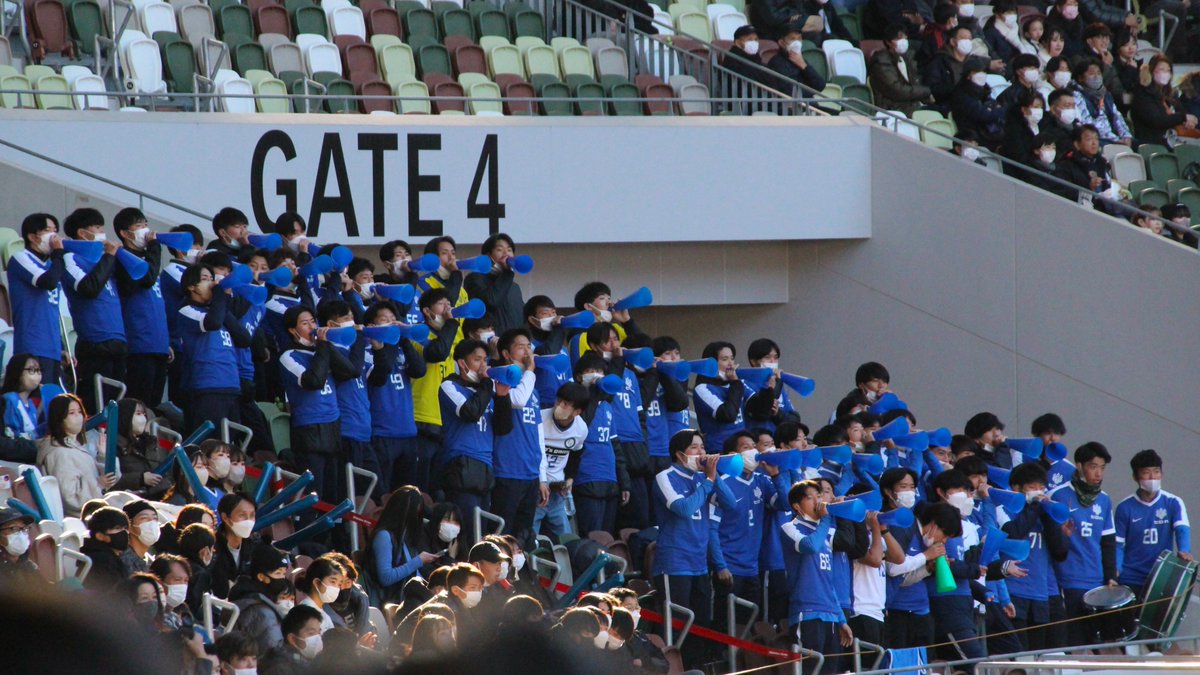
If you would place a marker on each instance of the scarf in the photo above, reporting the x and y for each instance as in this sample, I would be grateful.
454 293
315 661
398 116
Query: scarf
1087 493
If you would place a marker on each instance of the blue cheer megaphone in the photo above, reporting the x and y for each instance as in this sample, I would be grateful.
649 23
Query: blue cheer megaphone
990 548
642 297
268 242
135 266
321 264
558 363
480 264
791 460
401 293
871 464
854 510
341 257
1058 511
612 384
801 385
1016 549
426 264
578 321
1056 452
508 375
838 454
679 370
314 249
917 441
90 251
889 431
998 476
901 518
388 335
872 499
521 264
755 378
178 241
255 295
642 357
472 309
279 277
240 275
730 465
940 438
1029 447
1012 502
418 333
703 367
343 337
887 403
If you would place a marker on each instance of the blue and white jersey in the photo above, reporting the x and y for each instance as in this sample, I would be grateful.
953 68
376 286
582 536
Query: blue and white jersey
146 321
599 461
627 407
658 433
1083 569
277 335
250 321
97 319
808 554
1059 473
680 500
914 597
210 359
392 403
35 311
169 282
1146 529
1033 586
517 455
309 406
707 398
472 439
20 417
741 527
353 405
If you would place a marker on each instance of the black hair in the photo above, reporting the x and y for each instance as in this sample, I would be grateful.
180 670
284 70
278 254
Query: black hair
432 245
574 393
894 31
490 243
226 218
535 303
951 479
980 424
292 316
1082 65
461 573
1022 61
598 333
106 518
787 432
235 645
1081 129
197 236
298 617
279 255
373 311
946 517
319 569
712 349
195 538
508 337
1048 423
230 502
1002 6
590 292
127 218
1096 29
972 465
488 320
1026 97
892 414
14 370
1145 459
943 12
468 345
831 434
590 361
161 566
889 479
871 371
432 296
332 309
800 489
1026 473
663 344
357 265
285 224
79 219
1059 93
681 439
960 443
387 252
761 348
731 442
36 222
215 259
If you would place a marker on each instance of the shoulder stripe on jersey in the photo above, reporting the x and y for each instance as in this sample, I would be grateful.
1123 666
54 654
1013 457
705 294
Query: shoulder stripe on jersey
663 479
195 314
30 264
292 364
706 395
453 393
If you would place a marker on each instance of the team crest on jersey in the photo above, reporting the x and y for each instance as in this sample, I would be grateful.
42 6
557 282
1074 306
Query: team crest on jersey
1056 478
1160 514
1095 509
757 493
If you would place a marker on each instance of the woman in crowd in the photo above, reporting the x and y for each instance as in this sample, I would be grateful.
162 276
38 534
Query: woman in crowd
68 454
137 451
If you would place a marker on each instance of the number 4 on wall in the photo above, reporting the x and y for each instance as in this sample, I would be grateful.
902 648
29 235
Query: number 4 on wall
489 163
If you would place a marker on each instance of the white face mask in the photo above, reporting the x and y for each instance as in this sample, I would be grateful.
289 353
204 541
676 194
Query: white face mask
693 462
519 561
1068 115
137 424
245 671
966 10
472 599
906 498
872 396
73 424
437 321
1060 78
176 595
298 243
546 323
44 241
751 47
1070 12
1151 486
139 237
963 502
605 316
1035 115
99 236
237 474
601 640
902 46
234 244
1010 20
749 461
963 46
979 79
312 646
202 474
148 532
471 376
504 569
1029 75
329 593
244 528
796 47
615 643
219 467
191 255
970 154
487 335
563 414
1032 495
448 531
17 544
589 378
400 266
1047 156
927 540
285 606
1162 78
637 616
607 355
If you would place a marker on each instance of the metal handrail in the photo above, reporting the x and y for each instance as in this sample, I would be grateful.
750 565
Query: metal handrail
731 617
351 491
207 612
870 646
480 515
81 558
227 426
554 566
100 381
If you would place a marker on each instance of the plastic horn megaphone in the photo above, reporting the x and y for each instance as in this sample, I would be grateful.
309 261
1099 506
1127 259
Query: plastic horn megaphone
998 476
314 249
1029 447
1012 502
704 367
679 370
401 293
940 438
889 431
278 277
943 576
612 384
1056 452
472 309
990 548
871 464
255 295
321 264
88 250
887 403
917 441
755 378
341 257
426 264
901 518
135 266
1016 549
1058 511
178 241
417 333
506 375
388 335
480 264
872 499
791 460
240 275
269 242
558 363
343 337
642 357
838 454
854 510
642 297
730 465
521 264
799 384
578 321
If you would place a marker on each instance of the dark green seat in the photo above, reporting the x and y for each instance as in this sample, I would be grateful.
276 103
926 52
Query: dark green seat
246 54
477 7
217 5
179 63
440 7
515 7
416 42
540 80
556 100
528 24
1155 196
291 78
296 86
589 90
858 92
433 59
610 81
310 20
575 80
404 6
620 90
234 19
420 22
340 87
815 57
492 22
1148 150
292 6
86 22
1163 167
456 22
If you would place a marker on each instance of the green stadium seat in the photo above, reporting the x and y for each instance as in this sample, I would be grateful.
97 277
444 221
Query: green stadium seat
528 24
505 59
311 20
589 90
433 59
266 83
1148 150
577 61
234 20
815 57
420 22
1190 197
246 54
946 127
620 90
1163 167
556 100
485 90
396 64
456 22
412 89
86 21
491 23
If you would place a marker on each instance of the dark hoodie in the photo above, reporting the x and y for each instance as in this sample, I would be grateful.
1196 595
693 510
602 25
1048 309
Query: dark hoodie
260 618
107 568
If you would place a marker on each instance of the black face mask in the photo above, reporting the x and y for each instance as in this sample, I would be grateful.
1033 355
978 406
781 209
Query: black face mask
275 587
145 612
119 541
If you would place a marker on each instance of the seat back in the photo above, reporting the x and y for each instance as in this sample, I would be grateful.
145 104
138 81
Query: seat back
469 59
695 25
518 90
542 60
457 22
505 59
1128 167
86 21
311 20
725 25
49 21
179 65
448 89
271 86
576 61
144 65
416 91
384 21
235 20
196 23
375 88
303 40
612 61
433 59
849 62
5 52
322 58
284 58
349 21
490 42
528 24
49 101
249 56
158 17
397 62
696 105
491 22
419 22
360 60
486 90
230 86
625 108
1163 167
273 19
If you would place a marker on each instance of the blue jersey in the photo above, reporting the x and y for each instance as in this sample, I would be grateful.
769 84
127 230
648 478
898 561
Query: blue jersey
956 549
464 437
1083 570
392 402
1059 473
770 557
785 406
708 398
627 405
35 312
277 335
97 319
20 417
740 526
913 598
245 355
309 406
658 433
172 294
146 320
517 455
1145 530
548 382
680 498
678 421
353 406
598 464
1037 564
210 359
808 554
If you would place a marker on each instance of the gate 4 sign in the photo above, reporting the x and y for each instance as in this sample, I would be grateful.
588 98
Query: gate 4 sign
351 174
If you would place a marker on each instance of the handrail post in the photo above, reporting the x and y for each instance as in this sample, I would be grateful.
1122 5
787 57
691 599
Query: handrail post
668 615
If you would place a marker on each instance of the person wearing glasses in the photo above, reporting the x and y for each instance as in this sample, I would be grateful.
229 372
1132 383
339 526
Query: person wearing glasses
16 569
